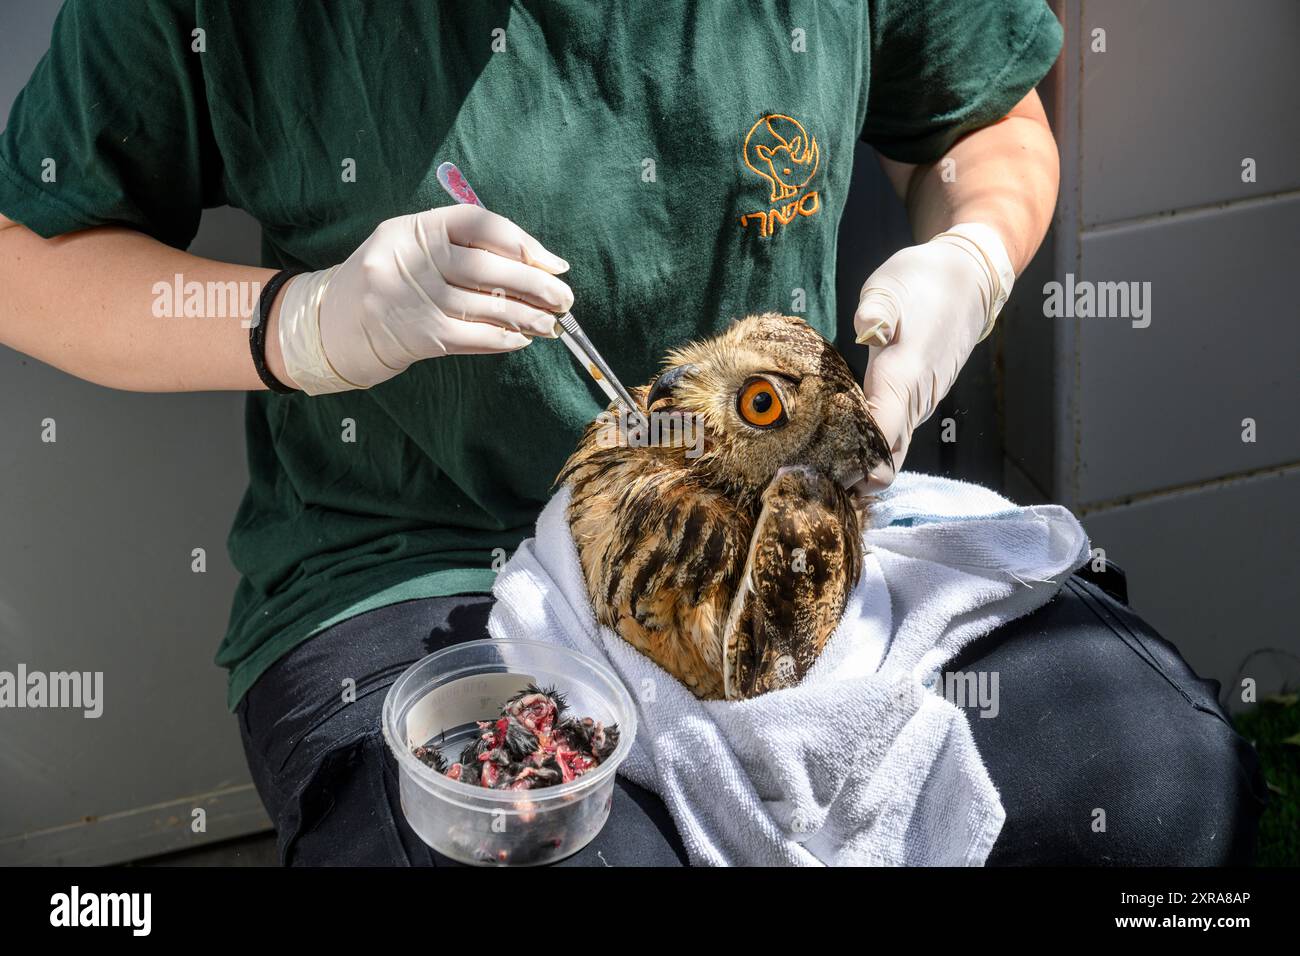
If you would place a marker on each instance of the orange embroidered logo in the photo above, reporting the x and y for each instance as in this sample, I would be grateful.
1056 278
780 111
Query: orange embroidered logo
779 149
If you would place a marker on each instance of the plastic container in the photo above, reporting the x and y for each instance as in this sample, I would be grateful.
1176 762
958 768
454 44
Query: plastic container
441 697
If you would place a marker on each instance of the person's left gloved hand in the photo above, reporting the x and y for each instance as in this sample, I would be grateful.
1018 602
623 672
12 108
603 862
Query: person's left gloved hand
922 312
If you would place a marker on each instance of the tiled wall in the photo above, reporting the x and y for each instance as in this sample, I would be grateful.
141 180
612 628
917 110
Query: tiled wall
1140 429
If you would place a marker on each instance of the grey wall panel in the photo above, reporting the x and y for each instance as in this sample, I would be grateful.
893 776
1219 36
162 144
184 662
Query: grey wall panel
1213 569
1162 406
96 534
1184 92
95 575
23 41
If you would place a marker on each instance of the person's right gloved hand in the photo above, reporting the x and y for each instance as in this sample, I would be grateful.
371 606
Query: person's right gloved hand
453 280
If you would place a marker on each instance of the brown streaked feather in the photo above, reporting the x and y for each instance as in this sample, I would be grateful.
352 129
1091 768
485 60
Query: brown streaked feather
805 558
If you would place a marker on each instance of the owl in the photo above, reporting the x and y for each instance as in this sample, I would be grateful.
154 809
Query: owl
724 545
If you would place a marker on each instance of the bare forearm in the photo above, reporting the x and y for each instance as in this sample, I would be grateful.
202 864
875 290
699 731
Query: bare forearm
1005 175
101 304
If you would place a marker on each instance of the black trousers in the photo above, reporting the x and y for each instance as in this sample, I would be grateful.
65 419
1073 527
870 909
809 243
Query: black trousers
1106 748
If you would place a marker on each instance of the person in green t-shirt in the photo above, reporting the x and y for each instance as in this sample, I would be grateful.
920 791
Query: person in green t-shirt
661 168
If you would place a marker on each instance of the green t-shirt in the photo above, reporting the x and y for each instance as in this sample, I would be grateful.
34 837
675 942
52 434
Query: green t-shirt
690 159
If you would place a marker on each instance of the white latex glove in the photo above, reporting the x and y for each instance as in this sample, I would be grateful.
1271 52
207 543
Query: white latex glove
922 312
453 280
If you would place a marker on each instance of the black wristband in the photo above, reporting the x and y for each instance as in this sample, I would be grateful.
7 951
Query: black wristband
257 333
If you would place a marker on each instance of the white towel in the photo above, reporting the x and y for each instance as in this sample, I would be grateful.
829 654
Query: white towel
863 762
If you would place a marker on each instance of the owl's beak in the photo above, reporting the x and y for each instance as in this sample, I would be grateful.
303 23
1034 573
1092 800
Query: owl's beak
852 479
665 384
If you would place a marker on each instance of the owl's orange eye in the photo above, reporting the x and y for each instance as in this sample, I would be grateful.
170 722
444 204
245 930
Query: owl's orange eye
759 404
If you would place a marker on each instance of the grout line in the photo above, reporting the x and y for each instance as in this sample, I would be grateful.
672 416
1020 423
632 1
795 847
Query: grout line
1211 483
1182 212
1074 474
133 811
1067 249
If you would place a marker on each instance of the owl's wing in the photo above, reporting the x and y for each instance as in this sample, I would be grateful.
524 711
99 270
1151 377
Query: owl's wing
804 558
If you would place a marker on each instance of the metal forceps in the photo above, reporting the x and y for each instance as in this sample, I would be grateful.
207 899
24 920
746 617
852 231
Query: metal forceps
454 182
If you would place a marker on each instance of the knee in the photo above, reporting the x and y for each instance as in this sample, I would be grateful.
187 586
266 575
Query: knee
1112 750
1192 796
